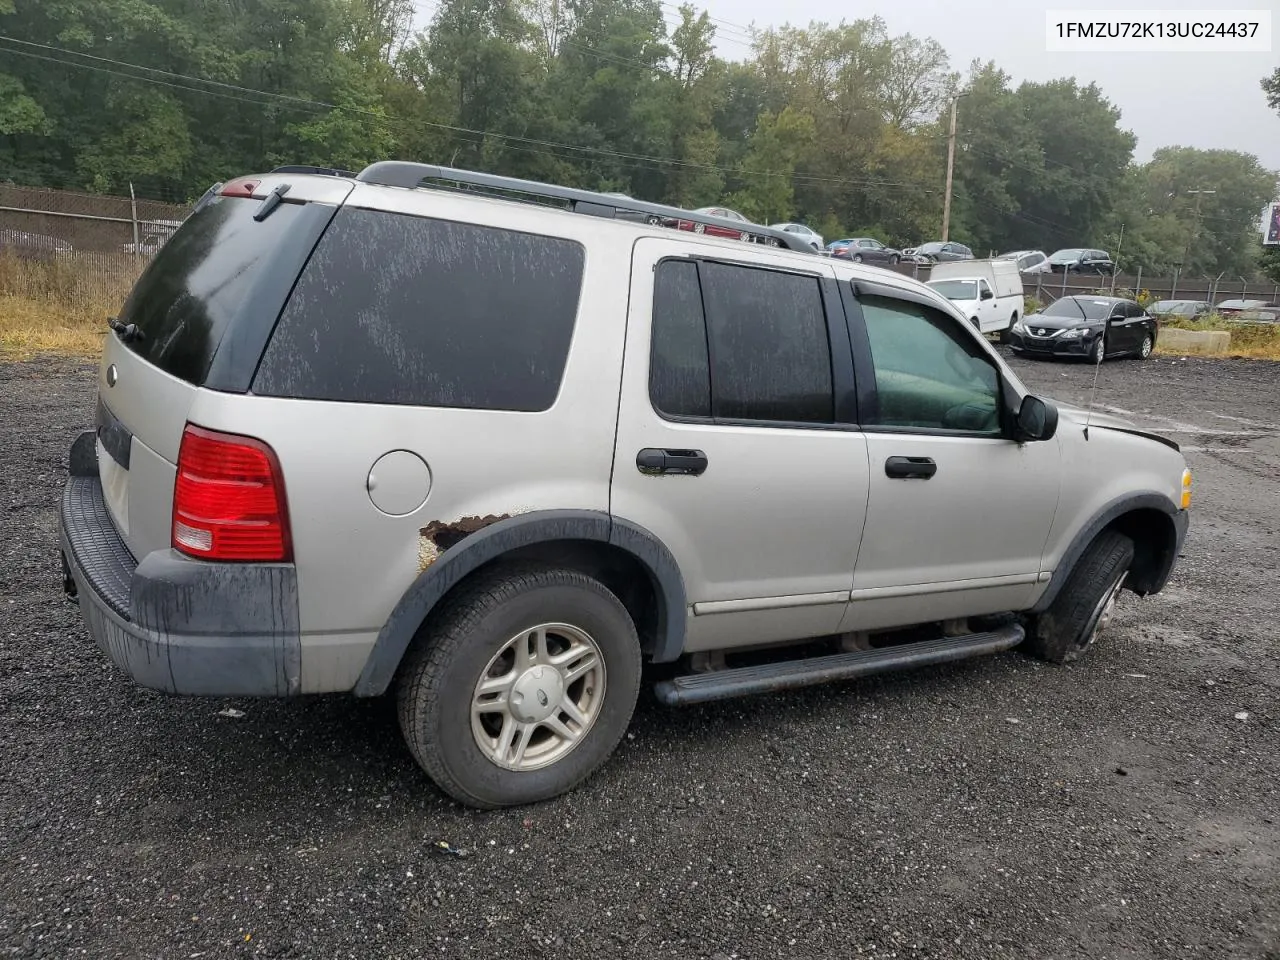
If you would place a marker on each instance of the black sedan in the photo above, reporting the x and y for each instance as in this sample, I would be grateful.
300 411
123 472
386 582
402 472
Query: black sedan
1093 328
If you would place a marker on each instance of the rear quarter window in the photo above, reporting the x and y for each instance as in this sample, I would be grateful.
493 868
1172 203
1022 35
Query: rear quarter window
401 309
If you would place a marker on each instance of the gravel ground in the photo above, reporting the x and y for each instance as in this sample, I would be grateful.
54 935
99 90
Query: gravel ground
1115 808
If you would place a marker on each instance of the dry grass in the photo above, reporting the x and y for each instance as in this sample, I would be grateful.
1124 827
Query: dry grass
1252 341
61 306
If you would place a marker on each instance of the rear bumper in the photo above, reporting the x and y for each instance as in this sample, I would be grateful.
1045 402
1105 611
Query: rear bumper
171 623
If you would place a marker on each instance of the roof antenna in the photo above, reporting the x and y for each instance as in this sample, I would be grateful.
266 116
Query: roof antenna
1097 368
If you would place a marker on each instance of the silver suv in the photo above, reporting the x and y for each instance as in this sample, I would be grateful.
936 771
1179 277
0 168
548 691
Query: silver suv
406 431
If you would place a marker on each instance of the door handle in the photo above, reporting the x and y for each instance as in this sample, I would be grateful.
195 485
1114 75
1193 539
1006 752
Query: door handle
658 463
907 468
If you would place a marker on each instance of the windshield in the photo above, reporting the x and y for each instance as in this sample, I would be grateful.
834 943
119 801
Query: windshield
204 279
929 247
957 289
1067 255
1079 308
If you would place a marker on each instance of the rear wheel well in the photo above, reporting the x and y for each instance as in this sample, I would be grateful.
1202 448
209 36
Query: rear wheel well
620 572
1154 540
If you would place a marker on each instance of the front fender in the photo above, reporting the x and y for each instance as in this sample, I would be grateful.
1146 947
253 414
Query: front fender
1179 521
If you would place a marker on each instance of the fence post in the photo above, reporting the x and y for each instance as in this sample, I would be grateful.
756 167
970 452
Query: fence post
1174 294
133 207
1137 289
1039 288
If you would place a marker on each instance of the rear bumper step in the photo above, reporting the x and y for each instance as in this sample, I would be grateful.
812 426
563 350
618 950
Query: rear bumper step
773 677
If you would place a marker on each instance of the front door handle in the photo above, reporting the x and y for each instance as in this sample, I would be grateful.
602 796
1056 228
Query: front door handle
907 468
656 463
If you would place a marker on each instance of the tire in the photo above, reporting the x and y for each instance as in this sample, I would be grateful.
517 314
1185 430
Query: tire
439 681
1004 334
857 258
1144 349
1098 352
1081 611
893 261
976 324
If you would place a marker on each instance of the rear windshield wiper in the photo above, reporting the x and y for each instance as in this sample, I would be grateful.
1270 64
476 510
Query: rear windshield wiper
127 332
271 201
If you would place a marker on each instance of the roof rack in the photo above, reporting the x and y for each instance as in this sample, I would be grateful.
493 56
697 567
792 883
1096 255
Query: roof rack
397 173
320 171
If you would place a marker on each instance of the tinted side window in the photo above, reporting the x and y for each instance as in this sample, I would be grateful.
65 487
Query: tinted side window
409 310
927 375
770 356
679 370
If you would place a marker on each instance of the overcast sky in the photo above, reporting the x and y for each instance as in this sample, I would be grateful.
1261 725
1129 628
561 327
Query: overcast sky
1206 100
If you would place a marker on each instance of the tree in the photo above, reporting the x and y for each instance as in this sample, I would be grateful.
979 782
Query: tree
1173 221
768 194
1271 87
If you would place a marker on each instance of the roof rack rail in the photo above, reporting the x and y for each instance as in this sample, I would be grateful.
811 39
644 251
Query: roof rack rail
321 171
397 173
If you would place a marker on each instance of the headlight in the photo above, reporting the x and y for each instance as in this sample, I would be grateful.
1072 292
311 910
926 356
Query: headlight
1020 325
1072 333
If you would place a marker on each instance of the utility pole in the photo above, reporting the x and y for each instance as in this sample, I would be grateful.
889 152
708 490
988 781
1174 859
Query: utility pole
1195 223
951 163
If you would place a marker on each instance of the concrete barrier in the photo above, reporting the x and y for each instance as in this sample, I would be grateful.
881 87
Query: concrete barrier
1174 340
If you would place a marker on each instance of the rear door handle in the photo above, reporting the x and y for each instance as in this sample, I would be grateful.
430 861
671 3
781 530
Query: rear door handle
657 463
908 468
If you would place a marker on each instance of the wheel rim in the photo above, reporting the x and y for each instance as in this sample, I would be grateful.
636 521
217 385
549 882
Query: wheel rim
858 258
538 697
1099 351
1101 615
1146 347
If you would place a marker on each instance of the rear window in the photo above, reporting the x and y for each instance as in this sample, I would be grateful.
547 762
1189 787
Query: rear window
401 309
206 277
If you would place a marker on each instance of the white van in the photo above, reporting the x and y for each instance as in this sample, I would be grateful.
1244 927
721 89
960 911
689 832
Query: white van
989 292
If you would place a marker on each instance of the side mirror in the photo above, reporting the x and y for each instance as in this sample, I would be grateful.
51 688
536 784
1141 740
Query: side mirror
1036 420
988 295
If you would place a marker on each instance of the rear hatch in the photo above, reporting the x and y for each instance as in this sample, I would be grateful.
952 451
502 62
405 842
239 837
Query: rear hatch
198 319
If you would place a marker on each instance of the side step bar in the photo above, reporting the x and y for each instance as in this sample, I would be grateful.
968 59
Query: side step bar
788 675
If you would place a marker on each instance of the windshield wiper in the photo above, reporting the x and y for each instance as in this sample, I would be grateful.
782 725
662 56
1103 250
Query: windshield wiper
127 332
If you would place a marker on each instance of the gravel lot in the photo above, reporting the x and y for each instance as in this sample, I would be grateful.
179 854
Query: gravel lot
1115 808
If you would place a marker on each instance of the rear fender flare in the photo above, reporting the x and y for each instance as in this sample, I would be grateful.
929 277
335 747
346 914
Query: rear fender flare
504 536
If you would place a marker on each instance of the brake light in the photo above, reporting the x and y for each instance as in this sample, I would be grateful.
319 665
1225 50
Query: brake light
229 499
243 187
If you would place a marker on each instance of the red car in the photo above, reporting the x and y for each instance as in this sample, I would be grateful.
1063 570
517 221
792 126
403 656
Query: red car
722 212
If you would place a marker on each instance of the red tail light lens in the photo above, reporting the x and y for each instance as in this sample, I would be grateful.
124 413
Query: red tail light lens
229 500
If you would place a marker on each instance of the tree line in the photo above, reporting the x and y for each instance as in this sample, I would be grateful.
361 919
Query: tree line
841 126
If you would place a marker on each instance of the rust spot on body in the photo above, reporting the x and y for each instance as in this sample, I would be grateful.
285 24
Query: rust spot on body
445 535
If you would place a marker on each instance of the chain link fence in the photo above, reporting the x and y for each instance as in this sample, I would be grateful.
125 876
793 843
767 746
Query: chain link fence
90 249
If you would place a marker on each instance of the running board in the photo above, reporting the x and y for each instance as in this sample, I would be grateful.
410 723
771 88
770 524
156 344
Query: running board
788 675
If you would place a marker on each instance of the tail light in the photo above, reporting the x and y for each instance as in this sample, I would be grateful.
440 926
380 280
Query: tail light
229 499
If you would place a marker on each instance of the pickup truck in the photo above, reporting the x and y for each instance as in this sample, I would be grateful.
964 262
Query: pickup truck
988 291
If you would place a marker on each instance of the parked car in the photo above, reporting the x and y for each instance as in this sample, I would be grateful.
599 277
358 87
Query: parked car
1081 260
865 250
515 479
1087 327
1180 309
988 292
800 230
713 229
32 246
937 252
1029 261
1249 310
